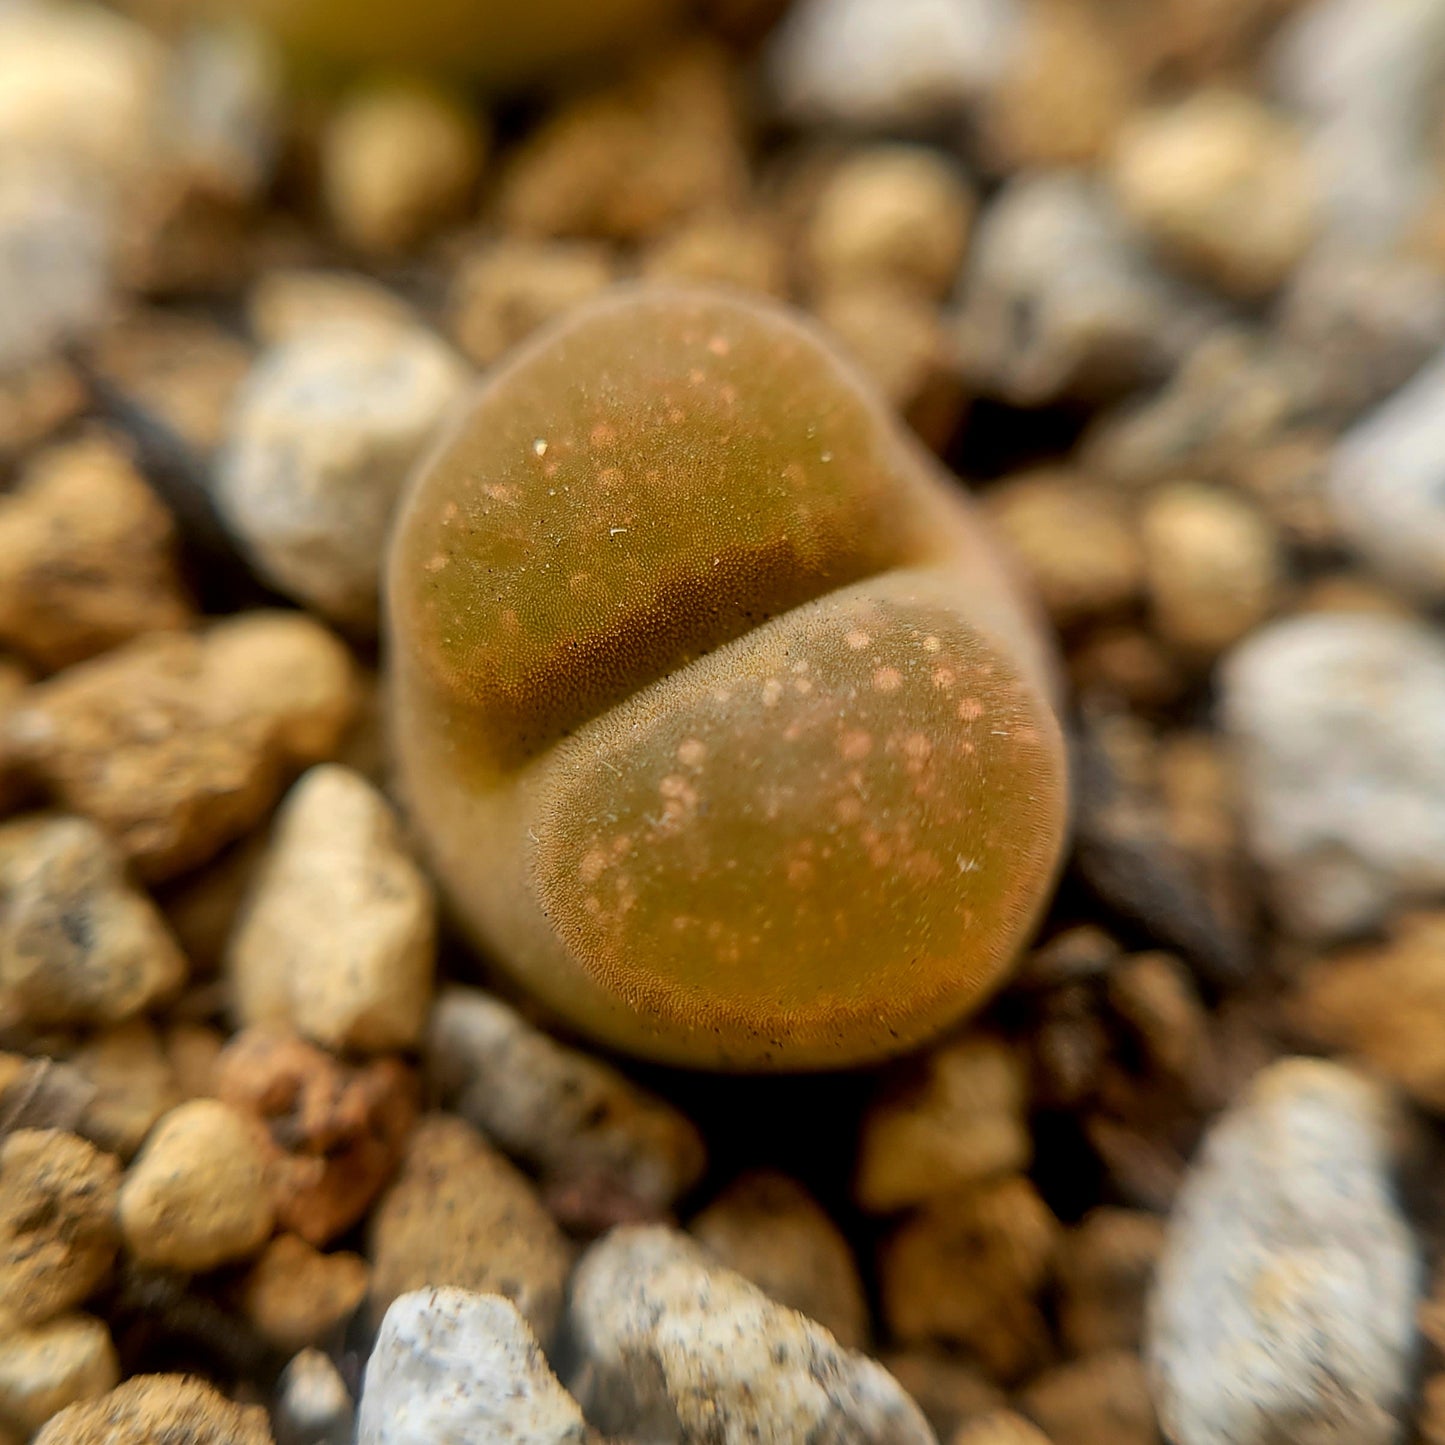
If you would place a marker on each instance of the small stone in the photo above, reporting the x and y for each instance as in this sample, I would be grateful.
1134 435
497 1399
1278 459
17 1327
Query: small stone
999 1427
1384 485
947 1390
179 368
1285 476
288 303
1154 995
192 1051
398 159
1431 1421
459 1214
313 1406
965 1271
572 1118
225 109
1077 542
78 944
904 349
895 214
1213 567
150 1408
1222 185
294 1296
35 402
1336 723
55 266
134 1085
880 64
661 145
1127 662
1368 321
339 937
336 1130
323 435
176 744
196 1195
1060 300
1235 394
1105 1268
1364 80
80 89
1065 92
1100 1400
676 1347
506 288
47 1367
745 251
1285 1298
58 1236
453 1365
1385 1005
769 1229
87 557
956 1117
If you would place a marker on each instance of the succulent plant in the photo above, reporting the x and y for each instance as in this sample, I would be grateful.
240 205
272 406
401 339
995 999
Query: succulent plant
718 713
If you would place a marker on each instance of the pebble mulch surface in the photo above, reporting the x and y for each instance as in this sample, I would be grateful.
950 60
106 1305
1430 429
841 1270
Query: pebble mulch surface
1165 280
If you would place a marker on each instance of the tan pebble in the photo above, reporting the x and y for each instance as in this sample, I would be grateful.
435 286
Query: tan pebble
1128 662
36 400
1100 1400
58 1236
47 1367
1156 998
731 249
1286 477
336 1130
192 1051
770 1230
659 146
177 744
1066 89
1223 185
1075 539
196 1195
1105 1268
397 160
1213 565
893 214
506 288
965 1271
901 344
459 1214
295 1296
150 1408
339 936
999 1427
78 943
948 1390
287 302
1351 592
134 1085
80 87
957 1117
1385 1004
87 556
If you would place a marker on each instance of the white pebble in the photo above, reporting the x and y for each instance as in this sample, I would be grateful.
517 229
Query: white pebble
1338 723
453 1365
1284 1306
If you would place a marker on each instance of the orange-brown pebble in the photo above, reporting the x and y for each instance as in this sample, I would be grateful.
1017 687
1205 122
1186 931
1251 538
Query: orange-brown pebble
718 715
